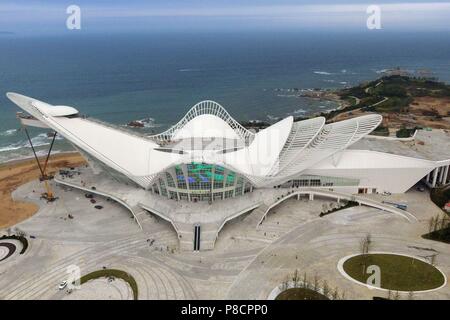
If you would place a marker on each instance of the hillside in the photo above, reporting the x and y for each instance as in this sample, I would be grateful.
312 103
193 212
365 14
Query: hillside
405 103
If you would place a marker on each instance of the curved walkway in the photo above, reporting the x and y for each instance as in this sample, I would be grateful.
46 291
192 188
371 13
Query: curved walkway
134 211
264 209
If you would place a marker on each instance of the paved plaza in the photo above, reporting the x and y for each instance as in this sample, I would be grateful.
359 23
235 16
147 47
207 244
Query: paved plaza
247 262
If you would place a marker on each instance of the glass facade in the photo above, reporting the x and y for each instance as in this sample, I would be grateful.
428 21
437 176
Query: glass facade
198 181
321 181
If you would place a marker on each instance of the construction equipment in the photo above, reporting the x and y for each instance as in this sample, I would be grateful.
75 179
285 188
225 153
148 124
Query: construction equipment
48 195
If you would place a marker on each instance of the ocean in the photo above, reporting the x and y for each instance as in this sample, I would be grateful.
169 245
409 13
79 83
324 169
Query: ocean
123 77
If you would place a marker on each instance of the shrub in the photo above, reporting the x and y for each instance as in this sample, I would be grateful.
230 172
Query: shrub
345 206
106 273
440 196
405 133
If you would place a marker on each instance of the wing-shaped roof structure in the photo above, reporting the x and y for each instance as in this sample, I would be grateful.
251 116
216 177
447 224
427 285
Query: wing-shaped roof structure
267 157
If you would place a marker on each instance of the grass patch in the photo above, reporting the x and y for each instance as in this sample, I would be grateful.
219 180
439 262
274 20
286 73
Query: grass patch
442 235
439 228
300 294
106 273
398 273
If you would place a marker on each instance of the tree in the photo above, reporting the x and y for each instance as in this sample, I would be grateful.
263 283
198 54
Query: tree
335 294
433 259
316 282
325 288
295 278
389 294
333 205
365 245
396 296
431 224
285 284
443 223
305 281
436 223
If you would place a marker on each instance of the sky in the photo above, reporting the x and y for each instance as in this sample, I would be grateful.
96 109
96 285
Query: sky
103 16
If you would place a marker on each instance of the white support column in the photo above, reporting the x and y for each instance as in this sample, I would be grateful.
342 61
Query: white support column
441 174
173 174
446 174
435 174
158 184
444 178
166 185
225 174
184 169
235 184
311 196
213 173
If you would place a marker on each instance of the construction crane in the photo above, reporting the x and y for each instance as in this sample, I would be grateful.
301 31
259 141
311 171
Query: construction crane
30 121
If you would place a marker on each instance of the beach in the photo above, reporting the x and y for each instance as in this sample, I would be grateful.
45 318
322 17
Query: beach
16 173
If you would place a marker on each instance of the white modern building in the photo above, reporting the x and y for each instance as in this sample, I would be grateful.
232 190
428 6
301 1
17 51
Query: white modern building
208 158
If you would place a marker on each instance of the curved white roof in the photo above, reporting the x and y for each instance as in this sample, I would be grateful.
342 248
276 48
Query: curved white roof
268 157
55 111
210 108
262 154
205 126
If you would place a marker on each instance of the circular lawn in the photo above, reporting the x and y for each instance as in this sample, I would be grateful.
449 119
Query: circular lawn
397 272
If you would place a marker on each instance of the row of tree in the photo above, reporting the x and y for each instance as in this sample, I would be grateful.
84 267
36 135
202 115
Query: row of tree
315 283
15 231
439 222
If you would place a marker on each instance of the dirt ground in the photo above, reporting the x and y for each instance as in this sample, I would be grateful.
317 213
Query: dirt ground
15 173
440 106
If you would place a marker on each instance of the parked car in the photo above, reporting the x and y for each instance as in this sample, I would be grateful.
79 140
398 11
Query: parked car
62 285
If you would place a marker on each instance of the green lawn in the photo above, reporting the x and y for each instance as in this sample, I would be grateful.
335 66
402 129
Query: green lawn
106 273
398 273
300 294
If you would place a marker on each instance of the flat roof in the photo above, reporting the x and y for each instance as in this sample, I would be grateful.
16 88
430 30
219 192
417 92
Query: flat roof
435 147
